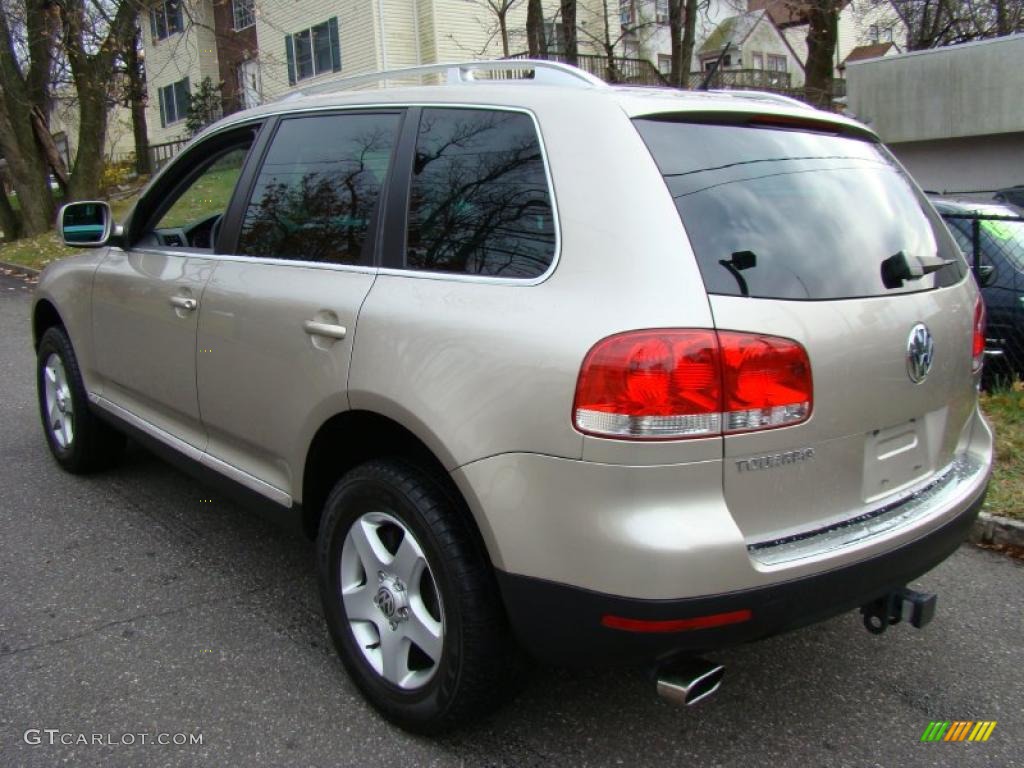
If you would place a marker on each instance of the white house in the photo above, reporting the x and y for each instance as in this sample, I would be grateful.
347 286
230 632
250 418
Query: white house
751 42
861 22
261 49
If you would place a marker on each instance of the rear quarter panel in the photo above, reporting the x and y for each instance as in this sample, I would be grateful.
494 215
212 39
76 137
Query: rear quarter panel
480 368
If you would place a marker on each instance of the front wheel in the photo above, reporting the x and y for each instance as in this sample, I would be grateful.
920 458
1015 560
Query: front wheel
78 440
410 600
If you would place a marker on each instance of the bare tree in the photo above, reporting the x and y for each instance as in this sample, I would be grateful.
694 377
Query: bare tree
28 31
822 38
94 37
135 98
496 25
682 23
567 9
535 37
935 23
612 34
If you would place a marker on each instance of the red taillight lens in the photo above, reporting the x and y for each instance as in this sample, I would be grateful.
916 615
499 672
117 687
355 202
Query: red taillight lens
651 384
671 384
767 381
978 347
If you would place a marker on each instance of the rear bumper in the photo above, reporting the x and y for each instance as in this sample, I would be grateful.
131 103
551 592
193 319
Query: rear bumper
562 624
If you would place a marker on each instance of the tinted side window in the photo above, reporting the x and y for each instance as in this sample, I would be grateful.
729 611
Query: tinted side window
479 201
317 191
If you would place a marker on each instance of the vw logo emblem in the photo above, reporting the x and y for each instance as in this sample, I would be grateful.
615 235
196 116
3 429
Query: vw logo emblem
920 353
386 602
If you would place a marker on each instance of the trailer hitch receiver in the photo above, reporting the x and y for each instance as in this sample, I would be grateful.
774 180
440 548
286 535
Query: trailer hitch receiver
891 608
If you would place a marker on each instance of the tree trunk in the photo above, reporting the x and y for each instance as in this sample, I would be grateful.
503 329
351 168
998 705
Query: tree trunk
503 27
535 37
571 50
822 34
9 222
92 134
92 68
678 76
28 170
1002 19
609 47
20 95
689 40
137 103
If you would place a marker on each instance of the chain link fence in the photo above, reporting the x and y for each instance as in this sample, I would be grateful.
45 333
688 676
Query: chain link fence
994 246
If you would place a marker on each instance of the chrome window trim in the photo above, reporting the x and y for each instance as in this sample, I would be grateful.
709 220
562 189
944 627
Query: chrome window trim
391 271
193 253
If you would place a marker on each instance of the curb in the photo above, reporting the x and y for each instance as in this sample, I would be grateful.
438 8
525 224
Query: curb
18 269
993 529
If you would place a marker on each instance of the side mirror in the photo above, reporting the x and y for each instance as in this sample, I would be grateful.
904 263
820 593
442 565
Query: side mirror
86 225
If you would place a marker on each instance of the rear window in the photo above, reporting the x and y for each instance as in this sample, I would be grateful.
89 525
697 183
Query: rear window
795 214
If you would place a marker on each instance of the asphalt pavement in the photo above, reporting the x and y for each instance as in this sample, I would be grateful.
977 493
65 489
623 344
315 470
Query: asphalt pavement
140 603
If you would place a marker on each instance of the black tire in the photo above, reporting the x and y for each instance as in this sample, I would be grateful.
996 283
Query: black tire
478 658
94 445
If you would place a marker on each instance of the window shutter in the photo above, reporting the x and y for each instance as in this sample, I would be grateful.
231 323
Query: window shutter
152 25
291 59
163 109
178 18
184 98
335 44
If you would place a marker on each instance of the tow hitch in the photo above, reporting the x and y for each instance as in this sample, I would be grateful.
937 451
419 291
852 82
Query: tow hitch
890 609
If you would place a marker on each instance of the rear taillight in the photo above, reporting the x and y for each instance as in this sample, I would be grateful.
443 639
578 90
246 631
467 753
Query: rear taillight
978 345
670 384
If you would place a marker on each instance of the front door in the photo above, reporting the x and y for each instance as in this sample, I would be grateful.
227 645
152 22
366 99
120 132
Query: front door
146 296
278 318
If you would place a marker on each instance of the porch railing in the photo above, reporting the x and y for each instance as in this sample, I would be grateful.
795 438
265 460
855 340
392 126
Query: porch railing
619 69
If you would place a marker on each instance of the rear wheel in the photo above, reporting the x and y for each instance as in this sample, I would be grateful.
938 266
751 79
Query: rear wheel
78 440
410 600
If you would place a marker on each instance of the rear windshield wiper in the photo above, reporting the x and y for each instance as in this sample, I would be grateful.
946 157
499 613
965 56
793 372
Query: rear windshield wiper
898 268
738 261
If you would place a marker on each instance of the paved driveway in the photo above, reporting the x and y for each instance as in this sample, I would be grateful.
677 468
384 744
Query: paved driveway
130 605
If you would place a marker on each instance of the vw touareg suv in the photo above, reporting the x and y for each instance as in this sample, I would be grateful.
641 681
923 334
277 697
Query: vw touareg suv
608 375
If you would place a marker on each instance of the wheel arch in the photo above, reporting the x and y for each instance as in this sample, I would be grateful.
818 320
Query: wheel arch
353 437
44 317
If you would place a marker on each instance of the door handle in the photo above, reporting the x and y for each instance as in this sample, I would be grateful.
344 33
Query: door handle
184 302
314 328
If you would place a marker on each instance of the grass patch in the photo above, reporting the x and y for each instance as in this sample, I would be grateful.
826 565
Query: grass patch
37 252
1005 410
210 193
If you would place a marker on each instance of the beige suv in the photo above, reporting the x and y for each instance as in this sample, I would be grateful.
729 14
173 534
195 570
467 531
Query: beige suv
608 375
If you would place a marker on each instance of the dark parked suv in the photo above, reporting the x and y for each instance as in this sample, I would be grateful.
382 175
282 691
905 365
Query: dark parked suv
997 232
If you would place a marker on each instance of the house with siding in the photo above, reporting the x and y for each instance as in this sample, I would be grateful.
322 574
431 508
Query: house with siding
180 46
750 42
259 50
861 23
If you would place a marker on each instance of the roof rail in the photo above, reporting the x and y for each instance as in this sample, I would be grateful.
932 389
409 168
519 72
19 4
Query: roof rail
763 96
545 72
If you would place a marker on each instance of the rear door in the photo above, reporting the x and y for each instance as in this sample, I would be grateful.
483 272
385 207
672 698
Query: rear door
791 225
278 317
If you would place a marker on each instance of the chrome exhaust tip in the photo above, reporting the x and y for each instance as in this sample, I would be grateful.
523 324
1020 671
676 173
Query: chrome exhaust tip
687 681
